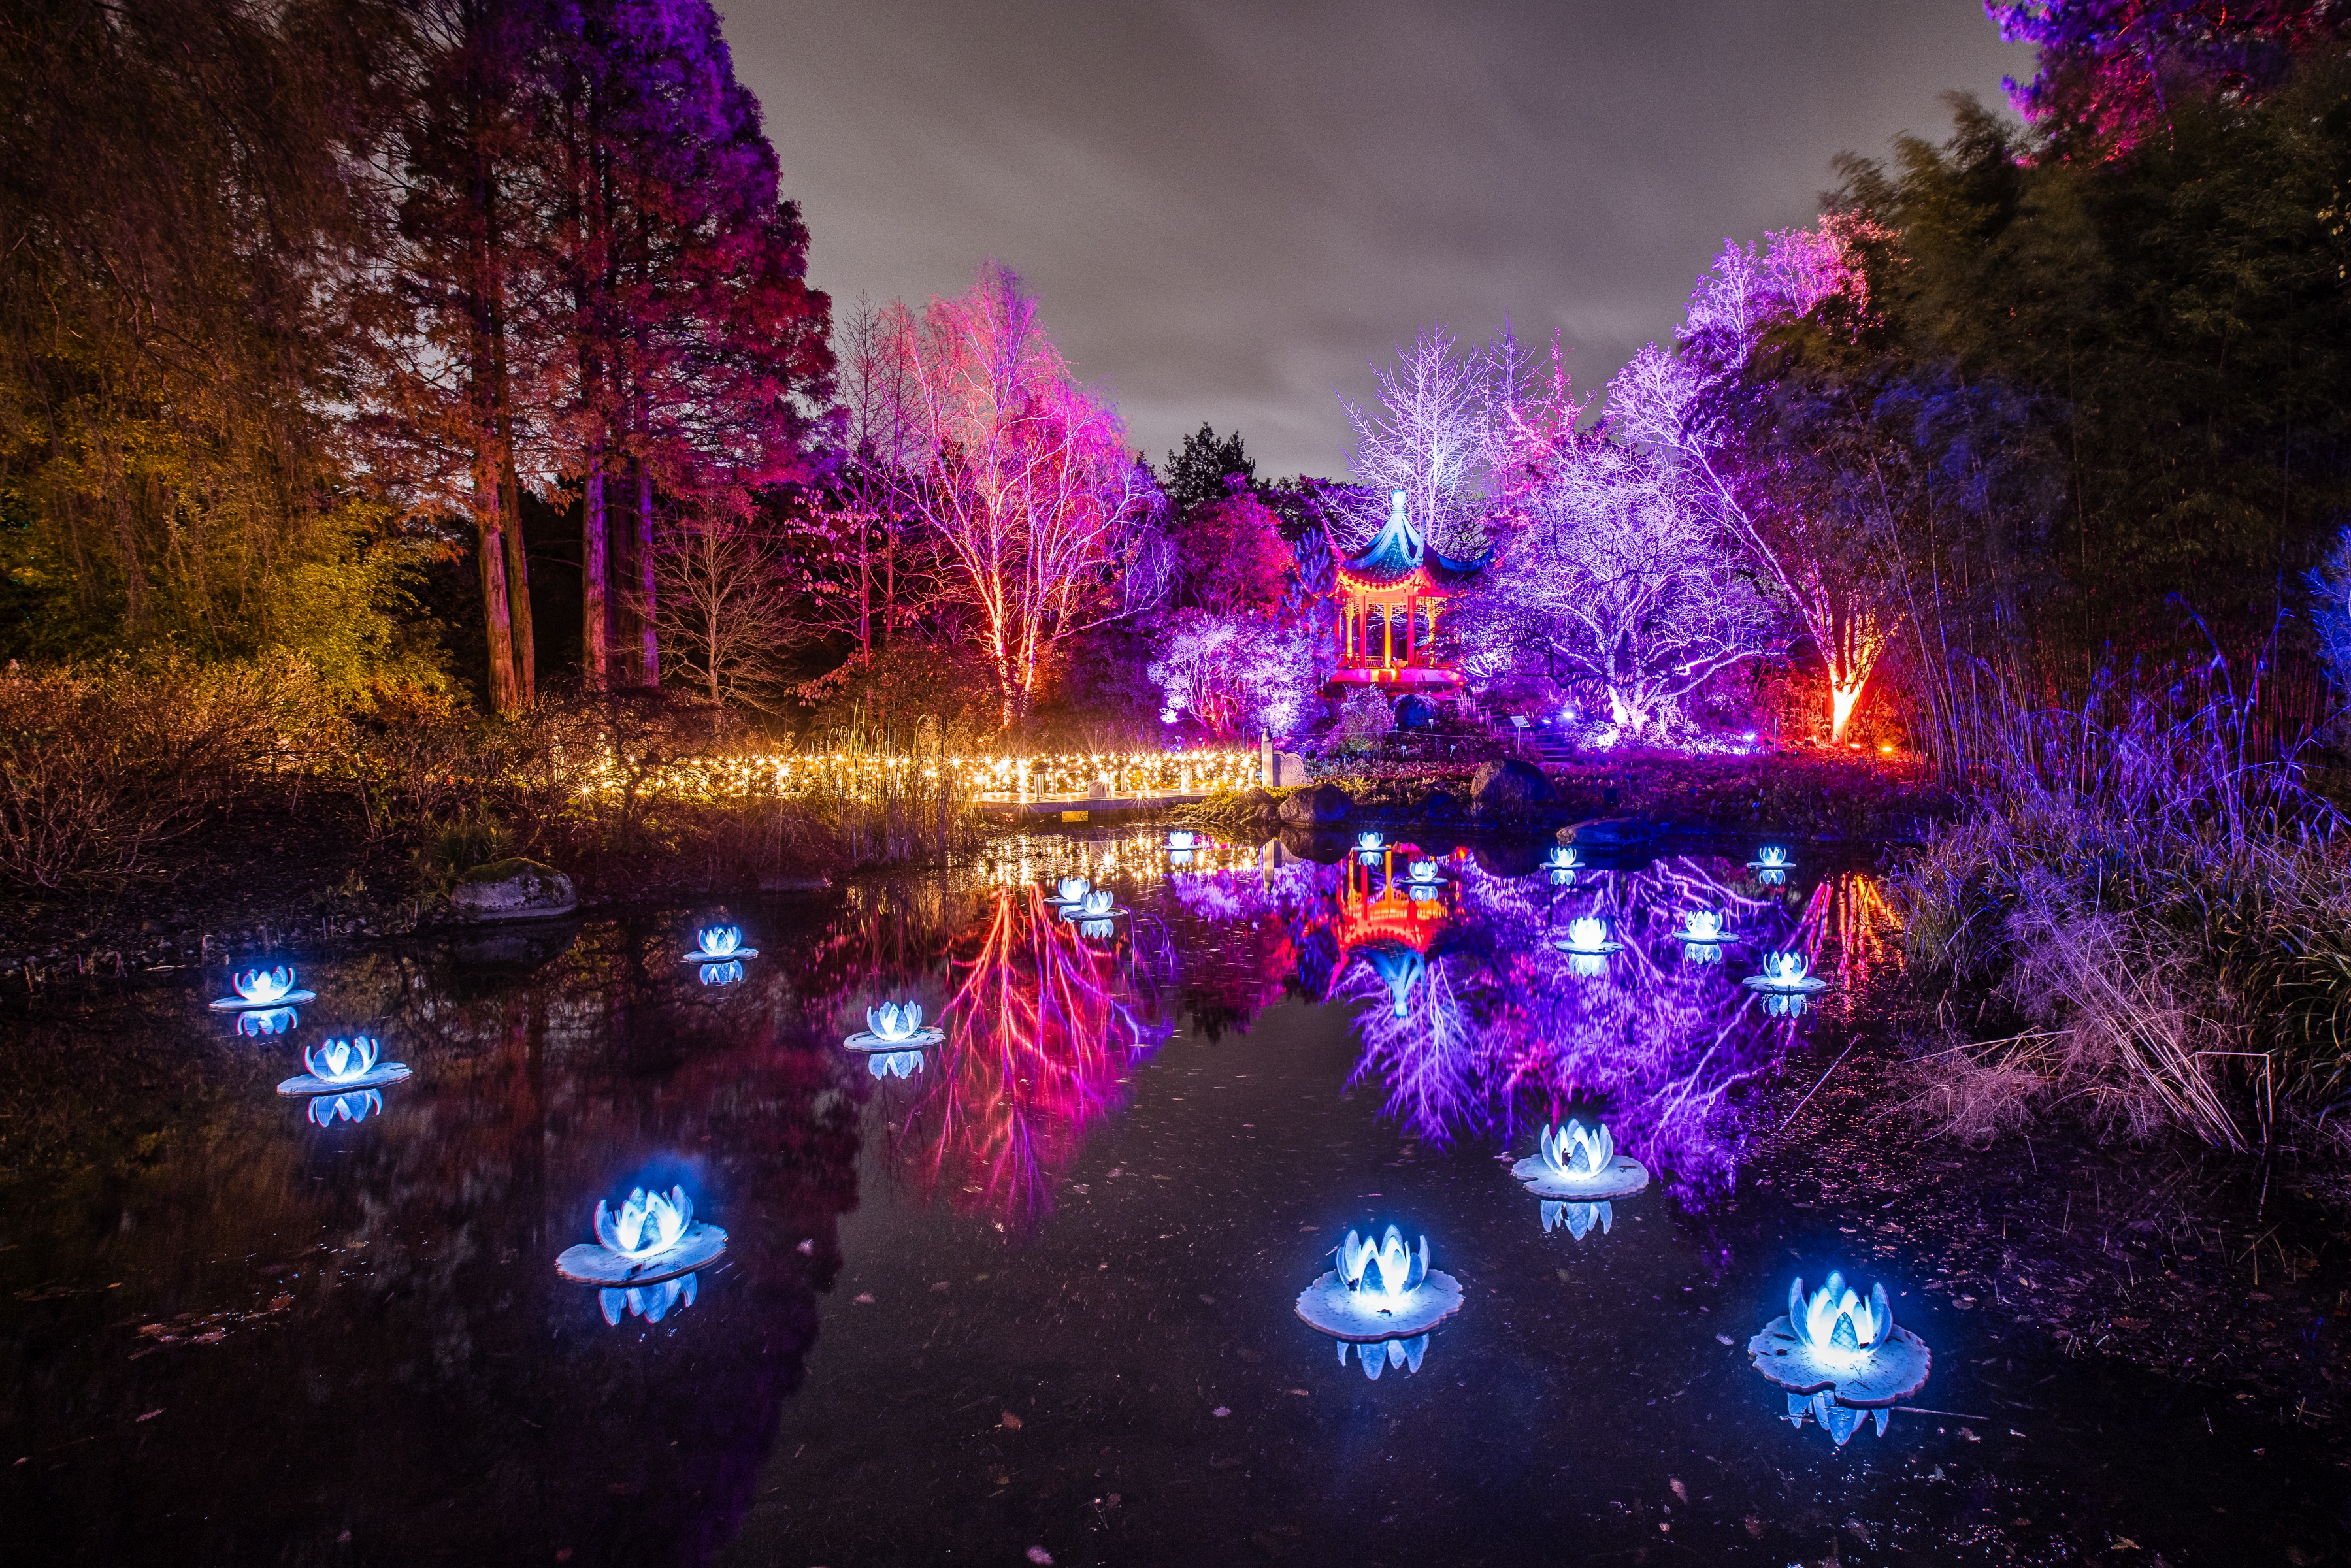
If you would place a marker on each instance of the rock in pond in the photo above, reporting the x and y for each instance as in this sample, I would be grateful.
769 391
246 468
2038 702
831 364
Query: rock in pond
512 890
1323 803
1609 832
1257 805
1508 786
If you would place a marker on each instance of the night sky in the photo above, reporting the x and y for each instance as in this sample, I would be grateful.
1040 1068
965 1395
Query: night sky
1230 207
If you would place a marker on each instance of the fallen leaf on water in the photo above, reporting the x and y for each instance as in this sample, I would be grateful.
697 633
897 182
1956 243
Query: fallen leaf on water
864 1299
1040 1556
150 1415
1682 1492
1725 1339
1299 1392
1010 1422
1221 1410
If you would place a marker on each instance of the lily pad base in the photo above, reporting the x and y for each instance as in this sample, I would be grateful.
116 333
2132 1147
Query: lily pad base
1624 1176
921 1039
1887 1376
383 1072
593 1263
1328 1307
239 1004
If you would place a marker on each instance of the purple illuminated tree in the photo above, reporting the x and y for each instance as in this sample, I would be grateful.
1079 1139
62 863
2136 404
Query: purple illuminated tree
1683 402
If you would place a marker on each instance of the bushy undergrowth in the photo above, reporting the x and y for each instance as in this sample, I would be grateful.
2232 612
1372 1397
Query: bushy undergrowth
2153 927
102 767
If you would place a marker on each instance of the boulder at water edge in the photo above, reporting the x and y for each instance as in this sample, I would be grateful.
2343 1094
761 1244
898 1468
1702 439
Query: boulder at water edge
1508 788
512 890
1323 803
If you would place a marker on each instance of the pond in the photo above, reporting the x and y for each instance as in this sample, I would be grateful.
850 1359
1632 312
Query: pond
1032 1293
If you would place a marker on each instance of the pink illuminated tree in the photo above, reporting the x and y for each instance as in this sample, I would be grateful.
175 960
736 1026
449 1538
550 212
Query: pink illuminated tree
1680 403
1048 523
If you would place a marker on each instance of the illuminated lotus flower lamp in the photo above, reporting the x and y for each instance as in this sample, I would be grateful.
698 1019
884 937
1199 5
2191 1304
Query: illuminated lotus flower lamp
651 1238
260 1023
326 1110
1786 984
342 1066
1578 1173
724 974
1097 915
651 1302
1070 892
1703 936
262 988
1382 1299
893 1039
1182 845
1562 864
1587 945
1771 865
1371 847
1839 1357
1424 878
720 944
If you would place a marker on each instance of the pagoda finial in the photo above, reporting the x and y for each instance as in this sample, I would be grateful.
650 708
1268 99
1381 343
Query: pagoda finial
1396 518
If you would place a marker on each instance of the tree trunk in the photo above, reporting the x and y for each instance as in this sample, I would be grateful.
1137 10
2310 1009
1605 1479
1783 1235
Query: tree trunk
505 697
647 607
594 575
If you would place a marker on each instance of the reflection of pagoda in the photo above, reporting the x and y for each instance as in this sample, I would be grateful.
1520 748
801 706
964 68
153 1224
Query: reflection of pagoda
1395 588
1383 924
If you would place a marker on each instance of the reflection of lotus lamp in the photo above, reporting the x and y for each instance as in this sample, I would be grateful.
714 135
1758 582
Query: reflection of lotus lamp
1771 865
724 974
1562 864
1587 945
1378 1355
721 944
651 1302
1702 936
340 1066
1838 1354
1370 847
1380 1291
1576 1171
1424 878
262 988
1181 843
326 1110
652 1236
894 1064
259 1023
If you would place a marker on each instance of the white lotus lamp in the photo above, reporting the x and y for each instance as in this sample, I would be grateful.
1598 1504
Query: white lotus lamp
1840 1351
263 989
1771 865
1786 975
895 1028
1564 863
340 1066
1587 944
720 944
1577 1173
1380 1290
1071 890
1370 847
651 1237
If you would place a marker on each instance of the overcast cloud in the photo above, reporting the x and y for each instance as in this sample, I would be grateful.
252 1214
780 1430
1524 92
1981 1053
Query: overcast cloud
1230 209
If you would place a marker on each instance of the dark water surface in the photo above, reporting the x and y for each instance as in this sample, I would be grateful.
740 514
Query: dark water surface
1034 1299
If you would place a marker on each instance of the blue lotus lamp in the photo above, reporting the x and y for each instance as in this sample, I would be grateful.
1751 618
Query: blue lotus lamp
651 1237
262 988
1070 892
1563 862
326 1110
651 1302
1182 844
1771 865
1838 1355
1371 847
1578 1174
1097 914
342 1066
261 1023
1381 1291
720 944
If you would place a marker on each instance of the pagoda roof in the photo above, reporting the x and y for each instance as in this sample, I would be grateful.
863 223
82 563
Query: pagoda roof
1398 554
